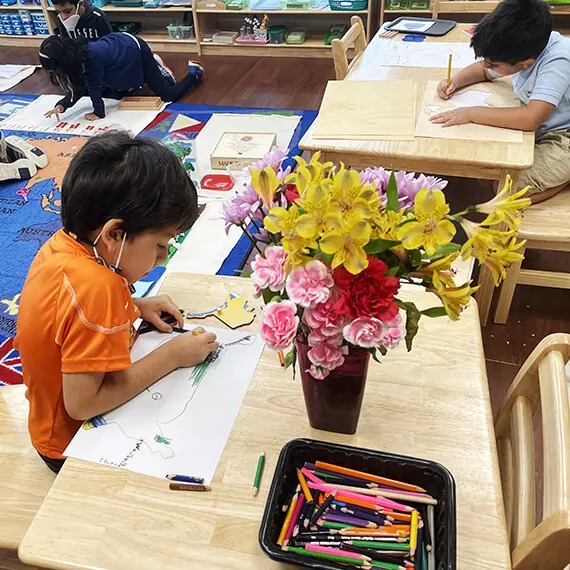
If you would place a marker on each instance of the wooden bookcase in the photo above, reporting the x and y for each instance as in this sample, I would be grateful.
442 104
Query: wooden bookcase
155 20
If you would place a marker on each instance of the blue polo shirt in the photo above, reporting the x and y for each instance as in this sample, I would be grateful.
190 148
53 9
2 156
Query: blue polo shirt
548 79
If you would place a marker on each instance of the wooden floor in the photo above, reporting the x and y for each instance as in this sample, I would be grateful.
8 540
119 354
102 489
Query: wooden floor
299 84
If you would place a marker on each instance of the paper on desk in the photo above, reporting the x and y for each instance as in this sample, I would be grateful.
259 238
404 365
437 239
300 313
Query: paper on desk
182 422
383 52
412 26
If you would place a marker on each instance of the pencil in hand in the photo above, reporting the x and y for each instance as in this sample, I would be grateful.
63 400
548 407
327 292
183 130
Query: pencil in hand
449 69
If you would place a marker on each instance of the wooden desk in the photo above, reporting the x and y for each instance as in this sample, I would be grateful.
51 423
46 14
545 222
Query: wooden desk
24 477
486 160
104 518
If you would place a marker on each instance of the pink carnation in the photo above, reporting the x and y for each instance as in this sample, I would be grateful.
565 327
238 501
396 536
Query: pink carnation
324 322
279 322
310 285
393 332
269 271
325 356
366 332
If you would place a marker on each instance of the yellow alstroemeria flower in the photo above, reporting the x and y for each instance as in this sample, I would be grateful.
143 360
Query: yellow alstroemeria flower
505 206
454 299
345 241
442 269
311 172
350 197
280 220
315 203
494 248
385 224
431 227
265 183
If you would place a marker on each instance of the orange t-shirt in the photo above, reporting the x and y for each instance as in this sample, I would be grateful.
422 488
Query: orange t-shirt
75 316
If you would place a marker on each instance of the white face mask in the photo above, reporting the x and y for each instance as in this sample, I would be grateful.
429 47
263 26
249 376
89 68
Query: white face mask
114 267
71 22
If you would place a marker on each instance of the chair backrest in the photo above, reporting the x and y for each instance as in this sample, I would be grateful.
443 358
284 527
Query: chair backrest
354 38
540 385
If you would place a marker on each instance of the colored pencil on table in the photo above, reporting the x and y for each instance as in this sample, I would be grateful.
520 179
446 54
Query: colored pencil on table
374 532
336 551
431 522
369 477
317 515
303 483
382 494
281 357
302 516
397 516
380 545
188 487
449 69
427 531
258 473
186 479
378 519
414 532
346 479
287 521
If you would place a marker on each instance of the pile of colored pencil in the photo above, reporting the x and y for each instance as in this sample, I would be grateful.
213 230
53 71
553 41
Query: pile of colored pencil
359 519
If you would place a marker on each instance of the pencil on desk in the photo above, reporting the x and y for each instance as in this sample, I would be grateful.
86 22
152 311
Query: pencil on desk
188 487
449 70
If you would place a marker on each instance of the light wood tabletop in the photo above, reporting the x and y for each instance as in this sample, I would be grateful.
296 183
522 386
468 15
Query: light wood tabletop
24 477
486 160
431 403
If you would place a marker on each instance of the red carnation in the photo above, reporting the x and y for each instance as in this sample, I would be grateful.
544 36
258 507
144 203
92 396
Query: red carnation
291 193
368 294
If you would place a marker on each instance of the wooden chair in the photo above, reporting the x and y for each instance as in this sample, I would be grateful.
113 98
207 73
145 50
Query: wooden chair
354 38
24 478
544 226
541 382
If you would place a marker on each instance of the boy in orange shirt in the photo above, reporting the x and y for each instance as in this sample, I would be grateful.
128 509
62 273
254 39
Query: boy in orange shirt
122 200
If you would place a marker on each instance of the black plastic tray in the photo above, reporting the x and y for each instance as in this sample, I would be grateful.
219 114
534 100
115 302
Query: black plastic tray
440 28
433 477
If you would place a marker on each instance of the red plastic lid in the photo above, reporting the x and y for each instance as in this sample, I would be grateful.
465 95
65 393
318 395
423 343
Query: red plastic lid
219 182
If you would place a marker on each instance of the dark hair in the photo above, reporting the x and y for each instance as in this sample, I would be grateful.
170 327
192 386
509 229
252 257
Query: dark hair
138 180
514 31
63 2
65 61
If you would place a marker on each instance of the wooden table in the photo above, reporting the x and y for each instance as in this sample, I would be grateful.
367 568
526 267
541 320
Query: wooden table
484 160
431 403
487 160
24 477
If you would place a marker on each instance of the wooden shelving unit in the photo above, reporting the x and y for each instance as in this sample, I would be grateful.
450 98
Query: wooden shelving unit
459 9
155 20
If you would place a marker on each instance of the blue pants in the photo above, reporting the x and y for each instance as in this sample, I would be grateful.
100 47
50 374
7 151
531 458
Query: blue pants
155 80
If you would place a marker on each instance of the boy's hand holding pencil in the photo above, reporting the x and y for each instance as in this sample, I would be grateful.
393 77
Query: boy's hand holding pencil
192 349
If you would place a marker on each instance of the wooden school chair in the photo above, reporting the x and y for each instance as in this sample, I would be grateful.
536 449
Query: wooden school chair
354 38
540 384
24 478
544 226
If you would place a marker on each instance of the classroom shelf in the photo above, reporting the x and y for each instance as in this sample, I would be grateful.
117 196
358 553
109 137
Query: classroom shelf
159 40
407 11
283 12
31 7
165 10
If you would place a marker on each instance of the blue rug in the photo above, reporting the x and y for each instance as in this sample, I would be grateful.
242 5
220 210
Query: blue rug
29 210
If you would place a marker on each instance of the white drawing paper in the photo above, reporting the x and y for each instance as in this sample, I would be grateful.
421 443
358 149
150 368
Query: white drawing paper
181 423
383 52
11 75
73 121
412 26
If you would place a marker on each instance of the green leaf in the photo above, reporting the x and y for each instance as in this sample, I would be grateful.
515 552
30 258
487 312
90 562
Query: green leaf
267 295
291 357
379 245
443 250
375 357
413 316
383 350
245 273
276 299
393 271
434 312
326 257
392 194
415 257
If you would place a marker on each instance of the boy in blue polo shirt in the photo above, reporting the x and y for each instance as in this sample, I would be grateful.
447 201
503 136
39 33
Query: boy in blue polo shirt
517 39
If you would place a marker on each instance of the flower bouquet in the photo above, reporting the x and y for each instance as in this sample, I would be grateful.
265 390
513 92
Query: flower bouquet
334 245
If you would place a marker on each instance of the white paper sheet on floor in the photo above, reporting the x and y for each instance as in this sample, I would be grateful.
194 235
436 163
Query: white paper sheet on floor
11 75
73 121
181 423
